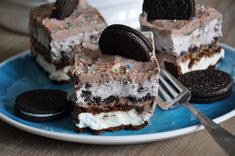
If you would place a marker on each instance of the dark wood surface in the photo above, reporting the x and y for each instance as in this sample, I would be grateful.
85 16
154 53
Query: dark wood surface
16 142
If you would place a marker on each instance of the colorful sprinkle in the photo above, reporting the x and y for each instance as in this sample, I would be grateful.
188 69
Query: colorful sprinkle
61 27
128 66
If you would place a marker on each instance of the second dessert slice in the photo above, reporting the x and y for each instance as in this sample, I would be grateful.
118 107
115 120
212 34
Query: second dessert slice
52 39
187 45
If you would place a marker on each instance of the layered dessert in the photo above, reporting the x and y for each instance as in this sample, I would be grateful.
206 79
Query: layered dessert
52 39
187 45
112 92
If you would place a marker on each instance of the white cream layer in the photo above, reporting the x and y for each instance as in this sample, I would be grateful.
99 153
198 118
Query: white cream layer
111 119
54 74
176 44
116 88
202 64
64 47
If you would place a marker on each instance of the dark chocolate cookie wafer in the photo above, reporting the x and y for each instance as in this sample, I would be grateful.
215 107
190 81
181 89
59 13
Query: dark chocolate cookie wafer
42 105
207 85
125 41
64 8
204 100
169 9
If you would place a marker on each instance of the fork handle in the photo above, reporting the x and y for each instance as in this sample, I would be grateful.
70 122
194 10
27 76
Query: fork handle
223 138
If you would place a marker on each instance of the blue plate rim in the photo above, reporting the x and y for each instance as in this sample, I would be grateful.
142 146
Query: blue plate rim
109 140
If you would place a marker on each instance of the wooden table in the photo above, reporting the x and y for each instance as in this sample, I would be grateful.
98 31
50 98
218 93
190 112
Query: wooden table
16 142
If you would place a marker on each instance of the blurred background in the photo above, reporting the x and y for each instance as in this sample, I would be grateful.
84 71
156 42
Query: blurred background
14 19
120 11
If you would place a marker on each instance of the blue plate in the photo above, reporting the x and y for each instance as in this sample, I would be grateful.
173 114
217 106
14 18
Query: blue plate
21 73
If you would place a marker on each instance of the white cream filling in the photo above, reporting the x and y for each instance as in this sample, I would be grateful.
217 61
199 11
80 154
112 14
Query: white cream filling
116 88
54 74
177 44
202 64
111 119
65 47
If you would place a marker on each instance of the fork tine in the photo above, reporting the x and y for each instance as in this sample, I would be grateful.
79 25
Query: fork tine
168 87
160 102
174 81
159 98
164 94
165 105
171 90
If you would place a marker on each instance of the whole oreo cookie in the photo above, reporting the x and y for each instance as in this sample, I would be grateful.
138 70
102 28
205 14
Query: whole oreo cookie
42 105
169 9
207 85
124 41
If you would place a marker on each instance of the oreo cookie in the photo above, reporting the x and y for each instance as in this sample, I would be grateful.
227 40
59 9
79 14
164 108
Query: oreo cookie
124 41
169 9
63 8
207 85
42 105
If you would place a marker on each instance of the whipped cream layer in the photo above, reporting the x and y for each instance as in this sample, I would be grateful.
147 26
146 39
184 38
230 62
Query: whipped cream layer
54 74
63 48
177 37
202 64
112 119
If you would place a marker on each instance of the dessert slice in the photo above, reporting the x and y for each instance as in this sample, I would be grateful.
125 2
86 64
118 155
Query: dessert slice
187 45
112 92
52 39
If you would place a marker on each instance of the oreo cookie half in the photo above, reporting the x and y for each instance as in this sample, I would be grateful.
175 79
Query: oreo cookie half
63 8
169 9
124 41
207 85
42 105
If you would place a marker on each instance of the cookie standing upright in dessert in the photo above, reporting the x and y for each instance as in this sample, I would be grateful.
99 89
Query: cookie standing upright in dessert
115 89
55 32
185 39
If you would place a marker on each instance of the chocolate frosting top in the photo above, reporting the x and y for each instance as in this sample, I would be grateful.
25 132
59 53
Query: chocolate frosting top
203 16
84 18
94 67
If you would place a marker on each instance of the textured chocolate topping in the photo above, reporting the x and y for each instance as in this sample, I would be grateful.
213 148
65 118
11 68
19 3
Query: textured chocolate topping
85 18
63 8
42 105
124 41
94 67
165 27
207 83
42 101
169 9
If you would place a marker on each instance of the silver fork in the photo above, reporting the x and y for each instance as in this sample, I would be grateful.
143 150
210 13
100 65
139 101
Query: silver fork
172 92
